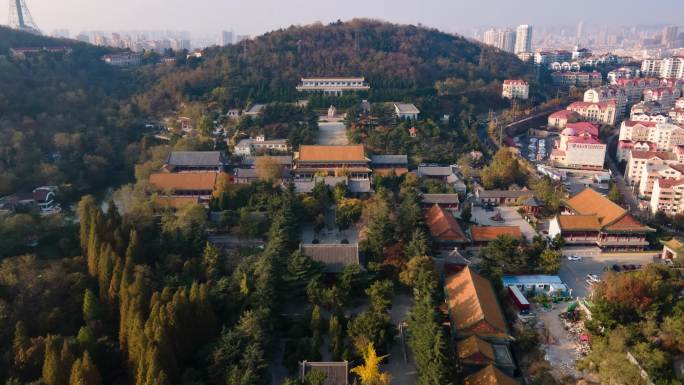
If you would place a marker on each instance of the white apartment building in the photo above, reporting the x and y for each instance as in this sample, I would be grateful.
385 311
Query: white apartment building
123 59
637 161
608 94
666 96
653 172
668 196
515 89
507 40
665 136
668 68
626 146
623 73
523 38
601 113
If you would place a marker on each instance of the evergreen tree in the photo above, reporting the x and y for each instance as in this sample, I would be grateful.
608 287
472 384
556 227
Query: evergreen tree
52 369
316 332
336 338
85 372
91 308
418 245
86 206
211 259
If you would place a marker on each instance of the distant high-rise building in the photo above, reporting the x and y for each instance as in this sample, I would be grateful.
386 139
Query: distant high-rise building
523 38
226 38
580 30
241 38
83 37
491 37
670 34
507 40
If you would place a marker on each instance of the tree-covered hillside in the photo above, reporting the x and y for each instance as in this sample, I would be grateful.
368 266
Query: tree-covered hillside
397 60
65 118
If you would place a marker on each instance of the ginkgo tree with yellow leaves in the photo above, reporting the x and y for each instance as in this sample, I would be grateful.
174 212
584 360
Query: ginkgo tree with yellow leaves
369 372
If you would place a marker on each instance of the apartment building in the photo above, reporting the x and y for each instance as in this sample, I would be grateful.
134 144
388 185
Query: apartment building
333 86
637 161
668 68
653 172
608 94
515 89
577 79
560 119
666 96
600 113
664 135
668 196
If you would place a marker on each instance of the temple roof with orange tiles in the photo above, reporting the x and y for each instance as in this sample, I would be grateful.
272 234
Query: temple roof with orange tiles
594 212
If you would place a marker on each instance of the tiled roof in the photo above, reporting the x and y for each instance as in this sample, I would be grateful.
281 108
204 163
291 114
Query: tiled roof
667 183
481 193
563 114
515 81
335 257
590 202
184 181
440 198
473 345
626 224
435 170
489 376
581 127
632 123
406 108
490 233
337 373
579 222
195 158
443 225
311 153
398 171
389 159
471 300
285 160
652 154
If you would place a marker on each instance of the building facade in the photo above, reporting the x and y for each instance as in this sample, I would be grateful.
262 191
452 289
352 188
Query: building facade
600 113
515 89
333 86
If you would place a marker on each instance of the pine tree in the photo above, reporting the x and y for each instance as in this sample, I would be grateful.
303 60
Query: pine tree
91 307
93 245
85 372
85 208
133 252
336 338
418 245
52 370
66 359
316 332
212 262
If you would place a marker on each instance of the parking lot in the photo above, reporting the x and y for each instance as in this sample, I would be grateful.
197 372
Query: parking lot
574 273
510 217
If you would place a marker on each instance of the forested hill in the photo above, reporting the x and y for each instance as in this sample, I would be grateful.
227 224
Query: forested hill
390 56
64 118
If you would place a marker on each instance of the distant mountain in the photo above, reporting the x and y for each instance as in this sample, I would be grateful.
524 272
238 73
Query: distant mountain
390 56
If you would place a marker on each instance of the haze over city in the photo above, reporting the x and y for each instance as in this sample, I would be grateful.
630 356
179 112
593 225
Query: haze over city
255 17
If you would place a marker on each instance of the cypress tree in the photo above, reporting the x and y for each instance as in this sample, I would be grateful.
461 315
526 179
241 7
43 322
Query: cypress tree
336 338
91 311
115 284
51 363
85 372
133 252
93 246
85 209
211 259
67 359
317 332
105 269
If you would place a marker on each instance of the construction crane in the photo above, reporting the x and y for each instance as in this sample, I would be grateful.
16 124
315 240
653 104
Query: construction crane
20 17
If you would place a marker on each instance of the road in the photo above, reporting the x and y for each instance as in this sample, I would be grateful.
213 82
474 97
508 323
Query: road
625 190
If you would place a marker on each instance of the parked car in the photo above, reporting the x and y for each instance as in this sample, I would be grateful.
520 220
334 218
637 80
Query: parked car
574 258
593 278
616 268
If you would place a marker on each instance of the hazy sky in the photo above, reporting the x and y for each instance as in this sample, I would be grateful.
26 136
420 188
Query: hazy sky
257 16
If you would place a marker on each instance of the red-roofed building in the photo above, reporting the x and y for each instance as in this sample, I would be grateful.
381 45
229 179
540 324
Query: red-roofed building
601 113
579 148
664 135
560 119
637 161
443 226
626 146
668 196
515 89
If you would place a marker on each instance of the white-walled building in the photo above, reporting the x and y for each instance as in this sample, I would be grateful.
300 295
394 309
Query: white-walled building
406 111
668 196
515 89
608 94
666 96
523 38
637 161
579 148
333 86
653 172
664 135
559 119
668 68
601 113
252 146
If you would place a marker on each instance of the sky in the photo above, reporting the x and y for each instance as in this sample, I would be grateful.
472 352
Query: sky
257 16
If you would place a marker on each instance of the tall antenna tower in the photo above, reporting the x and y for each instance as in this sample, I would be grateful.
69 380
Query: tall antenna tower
20 17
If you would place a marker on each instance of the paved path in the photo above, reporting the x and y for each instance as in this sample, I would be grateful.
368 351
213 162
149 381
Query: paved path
510 217
332 133
402 372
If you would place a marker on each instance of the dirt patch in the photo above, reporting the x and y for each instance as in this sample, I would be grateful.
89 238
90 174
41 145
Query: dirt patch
561 341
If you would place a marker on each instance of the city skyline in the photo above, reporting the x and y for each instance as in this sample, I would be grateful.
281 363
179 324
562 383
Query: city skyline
257 17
